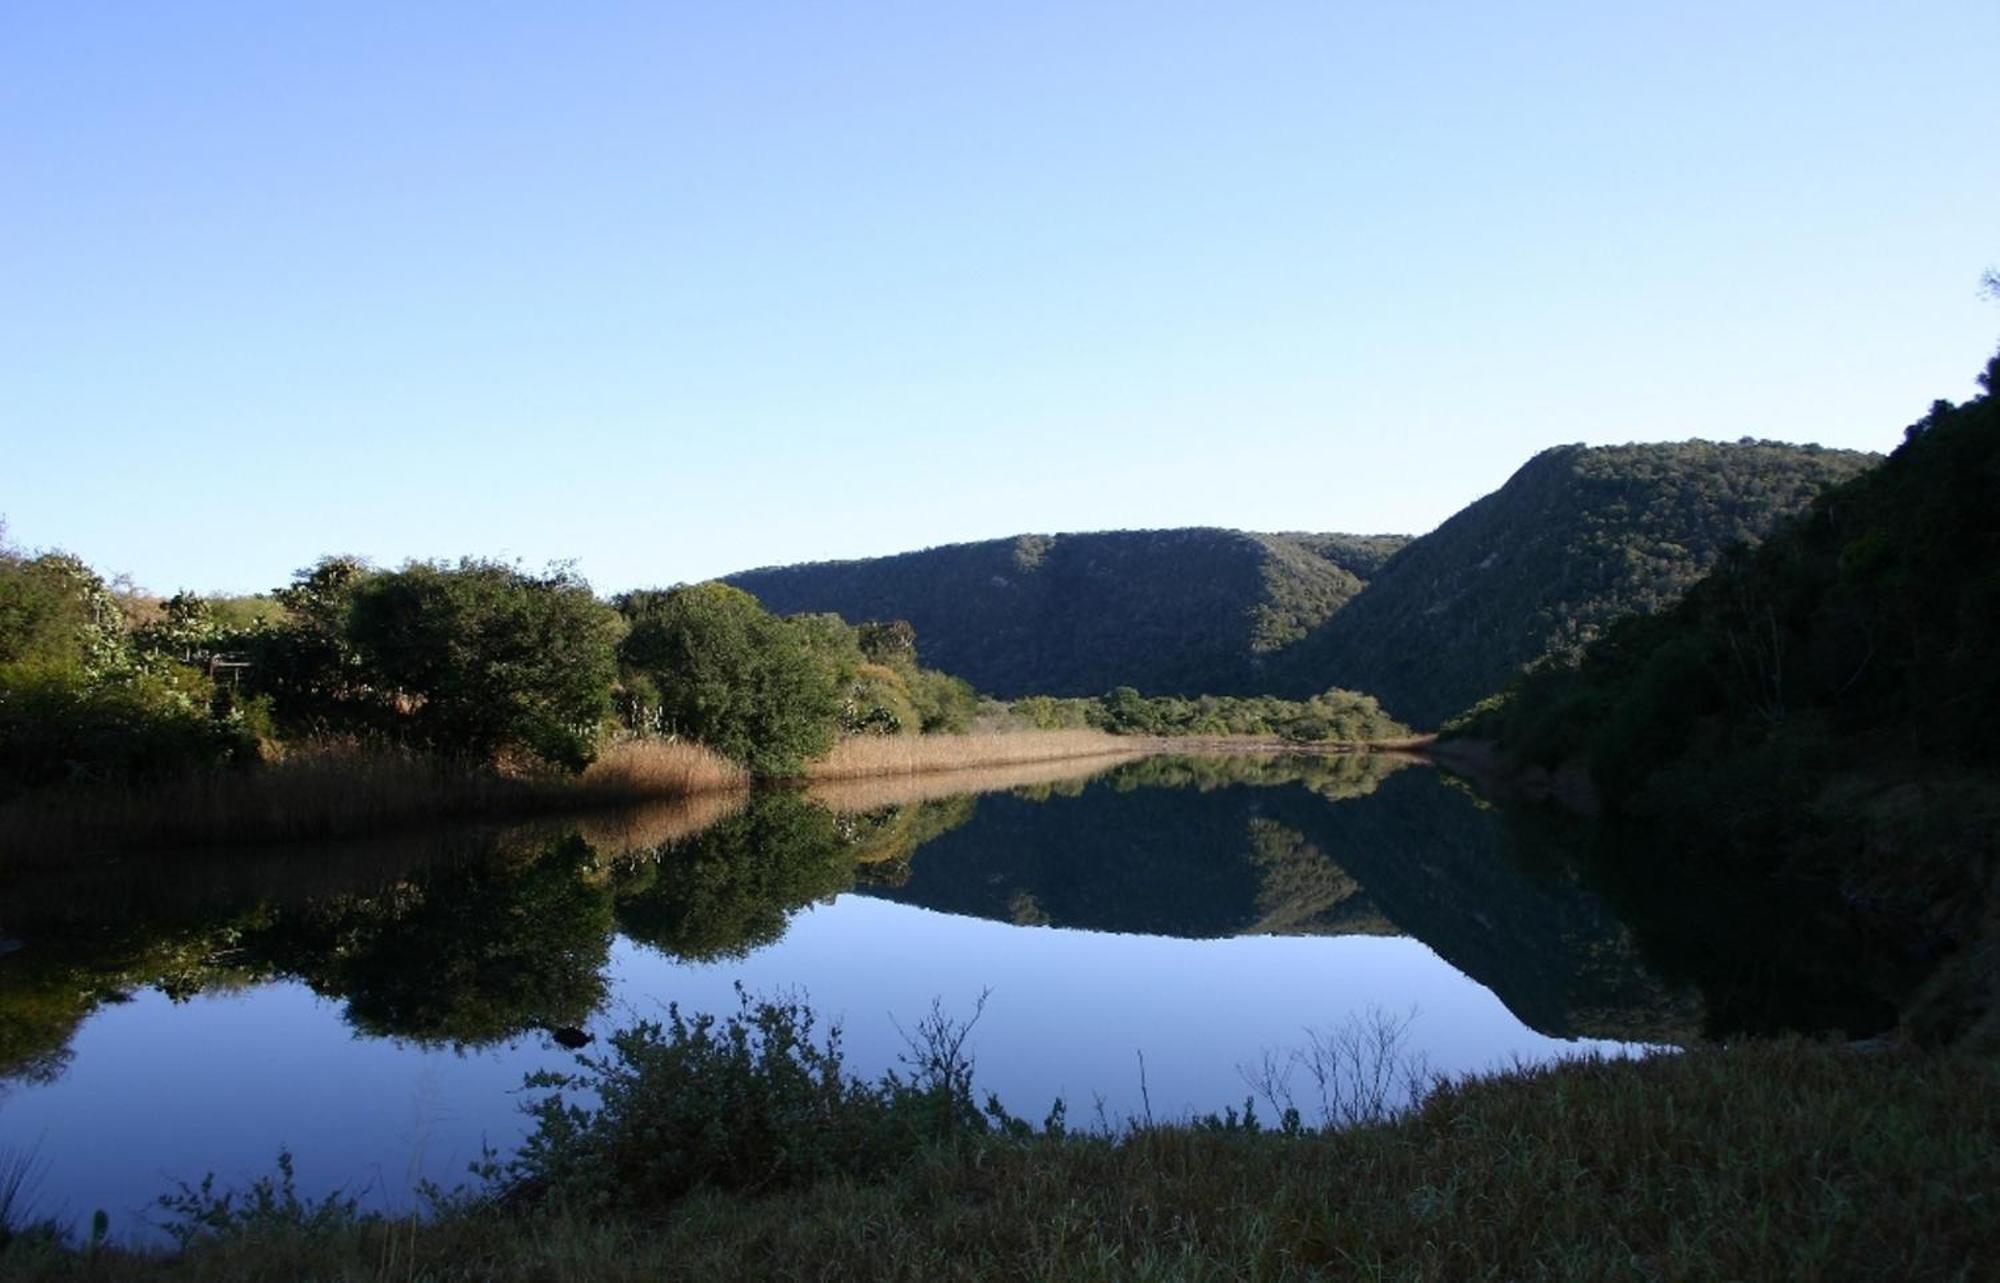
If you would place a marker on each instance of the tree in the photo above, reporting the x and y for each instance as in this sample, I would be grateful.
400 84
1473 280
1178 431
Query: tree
484 657
727 673
306 663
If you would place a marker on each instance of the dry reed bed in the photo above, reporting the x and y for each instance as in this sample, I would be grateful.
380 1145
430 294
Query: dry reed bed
856 794
334 790
341 789
866 756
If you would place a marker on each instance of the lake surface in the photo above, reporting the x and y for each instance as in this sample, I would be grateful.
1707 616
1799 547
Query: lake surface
1143 937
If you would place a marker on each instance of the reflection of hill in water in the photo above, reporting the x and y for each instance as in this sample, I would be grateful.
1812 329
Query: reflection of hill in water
1219 847
469 935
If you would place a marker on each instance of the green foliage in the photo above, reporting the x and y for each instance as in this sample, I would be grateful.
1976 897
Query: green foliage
1183 611
756 688
1872 620
197 1212
1802 706
487 657
80 703
887 692
1334 716
1575 539
56 612
58 726
757 1101
305 661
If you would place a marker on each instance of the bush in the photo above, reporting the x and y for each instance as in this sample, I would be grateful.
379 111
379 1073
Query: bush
729 674
58 726
754 1102
487 657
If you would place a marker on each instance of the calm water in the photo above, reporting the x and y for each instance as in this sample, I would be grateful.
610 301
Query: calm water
373 1009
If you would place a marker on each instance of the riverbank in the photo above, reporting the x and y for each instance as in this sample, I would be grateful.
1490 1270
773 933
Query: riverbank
337 790
1773 1160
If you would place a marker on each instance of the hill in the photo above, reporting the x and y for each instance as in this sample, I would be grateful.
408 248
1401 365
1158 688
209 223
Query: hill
1193 611
1820 709
1576 538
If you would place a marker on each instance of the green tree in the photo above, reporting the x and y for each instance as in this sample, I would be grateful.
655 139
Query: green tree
484 657
54 610
729 674
306 662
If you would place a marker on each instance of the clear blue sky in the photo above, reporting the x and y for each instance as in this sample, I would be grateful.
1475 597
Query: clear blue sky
676 290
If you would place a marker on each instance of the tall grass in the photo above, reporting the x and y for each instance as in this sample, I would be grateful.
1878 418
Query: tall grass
20 1170
862 756
337 789
856 794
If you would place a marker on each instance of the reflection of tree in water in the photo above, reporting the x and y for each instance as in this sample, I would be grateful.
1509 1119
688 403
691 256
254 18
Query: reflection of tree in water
732 888
460 939
1334 776
471 953
68 965
1767 955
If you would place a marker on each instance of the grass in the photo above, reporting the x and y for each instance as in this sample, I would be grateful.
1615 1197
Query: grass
1774 1161
858 794
864 756
339 789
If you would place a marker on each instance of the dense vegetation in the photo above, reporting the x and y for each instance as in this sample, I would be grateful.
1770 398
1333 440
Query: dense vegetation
1184 612
1335 716
1575 539
475 661
1819 708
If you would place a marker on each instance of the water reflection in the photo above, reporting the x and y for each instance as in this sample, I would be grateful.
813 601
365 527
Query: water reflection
470 937
371 1004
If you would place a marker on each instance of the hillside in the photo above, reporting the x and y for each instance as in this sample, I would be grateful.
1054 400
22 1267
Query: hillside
1576 538
1819 709
1194 611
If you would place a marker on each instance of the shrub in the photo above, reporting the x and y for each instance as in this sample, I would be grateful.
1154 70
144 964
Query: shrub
729 674
756 1101
487 657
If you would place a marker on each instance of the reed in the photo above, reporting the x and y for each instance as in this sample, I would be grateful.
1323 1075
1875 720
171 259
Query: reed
856 794
863 756
637 769
335 789
645 827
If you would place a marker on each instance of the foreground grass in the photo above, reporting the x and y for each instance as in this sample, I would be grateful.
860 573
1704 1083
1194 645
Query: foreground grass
1784 1161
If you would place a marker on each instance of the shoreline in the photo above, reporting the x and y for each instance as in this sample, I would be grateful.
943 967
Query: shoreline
346 791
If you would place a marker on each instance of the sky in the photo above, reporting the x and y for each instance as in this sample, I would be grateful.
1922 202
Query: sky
672 290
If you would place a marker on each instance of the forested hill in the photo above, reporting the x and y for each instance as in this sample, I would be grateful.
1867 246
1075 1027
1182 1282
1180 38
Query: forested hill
1574 539
1193 611
1820 707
